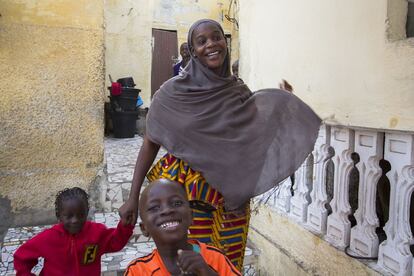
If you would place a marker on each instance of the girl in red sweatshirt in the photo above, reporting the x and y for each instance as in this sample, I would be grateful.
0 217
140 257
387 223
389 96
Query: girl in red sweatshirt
74 246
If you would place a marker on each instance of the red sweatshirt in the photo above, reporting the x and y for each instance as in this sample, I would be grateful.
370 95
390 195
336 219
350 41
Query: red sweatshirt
66 254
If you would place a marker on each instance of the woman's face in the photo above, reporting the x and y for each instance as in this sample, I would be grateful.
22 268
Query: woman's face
209 46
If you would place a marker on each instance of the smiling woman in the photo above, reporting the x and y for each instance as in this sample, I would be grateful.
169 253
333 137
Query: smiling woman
224 143
209 46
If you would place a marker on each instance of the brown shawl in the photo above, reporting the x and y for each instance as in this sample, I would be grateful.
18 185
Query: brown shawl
243 143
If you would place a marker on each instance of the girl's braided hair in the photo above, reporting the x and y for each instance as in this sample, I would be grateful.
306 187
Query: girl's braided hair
70 193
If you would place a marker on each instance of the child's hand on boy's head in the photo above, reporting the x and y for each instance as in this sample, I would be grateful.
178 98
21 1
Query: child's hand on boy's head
191 262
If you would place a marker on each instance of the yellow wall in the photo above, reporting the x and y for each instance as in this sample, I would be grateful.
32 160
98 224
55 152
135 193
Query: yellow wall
129 26
348 59
51 107
289 249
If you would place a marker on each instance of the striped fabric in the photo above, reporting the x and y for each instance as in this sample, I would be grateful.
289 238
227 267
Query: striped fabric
211 223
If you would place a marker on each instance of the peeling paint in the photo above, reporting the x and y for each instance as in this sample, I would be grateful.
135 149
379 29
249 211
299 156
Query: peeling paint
393 122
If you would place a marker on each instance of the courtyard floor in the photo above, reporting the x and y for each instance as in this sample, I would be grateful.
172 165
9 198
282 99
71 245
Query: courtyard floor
120 157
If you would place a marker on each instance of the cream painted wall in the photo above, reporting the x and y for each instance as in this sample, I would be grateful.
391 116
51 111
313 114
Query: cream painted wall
129 27
348 59
289 249
51 107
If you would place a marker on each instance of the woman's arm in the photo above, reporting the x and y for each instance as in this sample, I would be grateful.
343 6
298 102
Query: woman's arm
147 154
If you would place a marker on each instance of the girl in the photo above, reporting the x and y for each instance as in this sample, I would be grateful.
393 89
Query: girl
225 144
75 245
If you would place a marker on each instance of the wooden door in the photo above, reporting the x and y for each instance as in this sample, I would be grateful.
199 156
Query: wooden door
164 51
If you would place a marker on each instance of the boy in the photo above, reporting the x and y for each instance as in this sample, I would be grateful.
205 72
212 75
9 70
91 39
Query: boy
185 55
74 246
166 216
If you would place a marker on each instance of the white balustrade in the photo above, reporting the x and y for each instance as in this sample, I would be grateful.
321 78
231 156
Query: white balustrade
303 183
317 213
338 225
394 253
267 199
369 146
308 204
284 195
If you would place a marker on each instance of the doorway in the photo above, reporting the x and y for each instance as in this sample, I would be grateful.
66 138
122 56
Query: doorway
164 52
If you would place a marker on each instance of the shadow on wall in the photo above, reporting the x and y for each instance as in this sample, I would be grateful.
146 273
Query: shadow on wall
6 216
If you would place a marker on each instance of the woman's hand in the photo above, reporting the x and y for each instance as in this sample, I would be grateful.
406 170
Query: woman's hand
284 85
191 262
129 212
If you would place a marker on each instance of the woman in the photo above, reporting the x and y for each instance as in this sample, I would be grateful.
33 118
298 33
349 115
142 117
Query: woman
225 144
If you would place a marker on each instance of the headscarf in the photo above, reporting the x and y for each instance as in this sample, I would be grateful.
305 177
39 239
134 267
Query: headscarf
243 144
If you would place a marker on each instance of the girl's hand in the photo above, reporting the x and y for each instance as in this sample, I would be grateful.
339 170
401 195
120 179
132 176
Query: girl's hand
191 262
129 212
284 85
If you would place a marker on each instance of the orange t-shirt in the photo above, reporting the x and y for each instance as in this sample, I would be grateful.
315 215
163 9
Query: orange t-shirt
152 264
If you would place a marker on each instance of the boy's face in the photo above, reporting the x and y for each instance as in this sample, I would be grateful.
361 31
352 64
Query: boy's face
235 69
73 215
184 52
165 212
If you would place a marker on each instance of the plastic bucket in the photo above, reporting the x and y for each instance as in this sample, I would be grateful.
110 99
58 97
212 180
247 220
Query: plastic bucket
126 104
126 92
124 123
130 93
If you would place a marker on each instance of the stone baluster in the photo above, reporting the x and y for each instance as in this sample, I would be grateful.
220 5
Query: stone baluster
317 212
303 182
394 253
284 195
338 225
369 146
267 199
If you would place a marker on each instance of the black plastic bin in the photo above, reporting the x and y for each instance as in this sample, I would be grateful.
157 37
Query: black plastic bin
127 92
124 123
126 82
124 103
130 92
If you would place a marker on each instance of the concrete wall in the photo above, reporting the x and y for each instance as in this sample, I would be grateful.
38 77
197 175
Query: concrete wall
51 107
288 249
348 59
351 62
129 27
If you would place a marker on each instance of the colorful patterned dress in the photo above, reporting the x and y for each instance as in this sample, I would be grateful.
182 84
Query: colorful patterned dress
211 223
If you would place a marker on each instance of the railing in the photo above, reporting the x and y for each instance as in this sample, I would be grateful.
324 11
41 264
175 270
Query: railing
355 181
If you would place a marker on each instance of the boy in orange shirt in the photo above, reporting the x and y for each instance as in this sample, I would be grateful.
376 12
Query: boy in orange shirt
166 216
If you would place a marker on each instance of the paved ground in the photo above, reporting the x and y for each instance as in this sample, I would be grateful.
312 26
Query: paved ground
120 157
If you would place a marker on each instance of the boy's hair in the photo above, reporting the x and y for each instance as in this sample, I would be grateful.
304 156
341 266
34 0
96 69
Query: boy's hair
70 193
